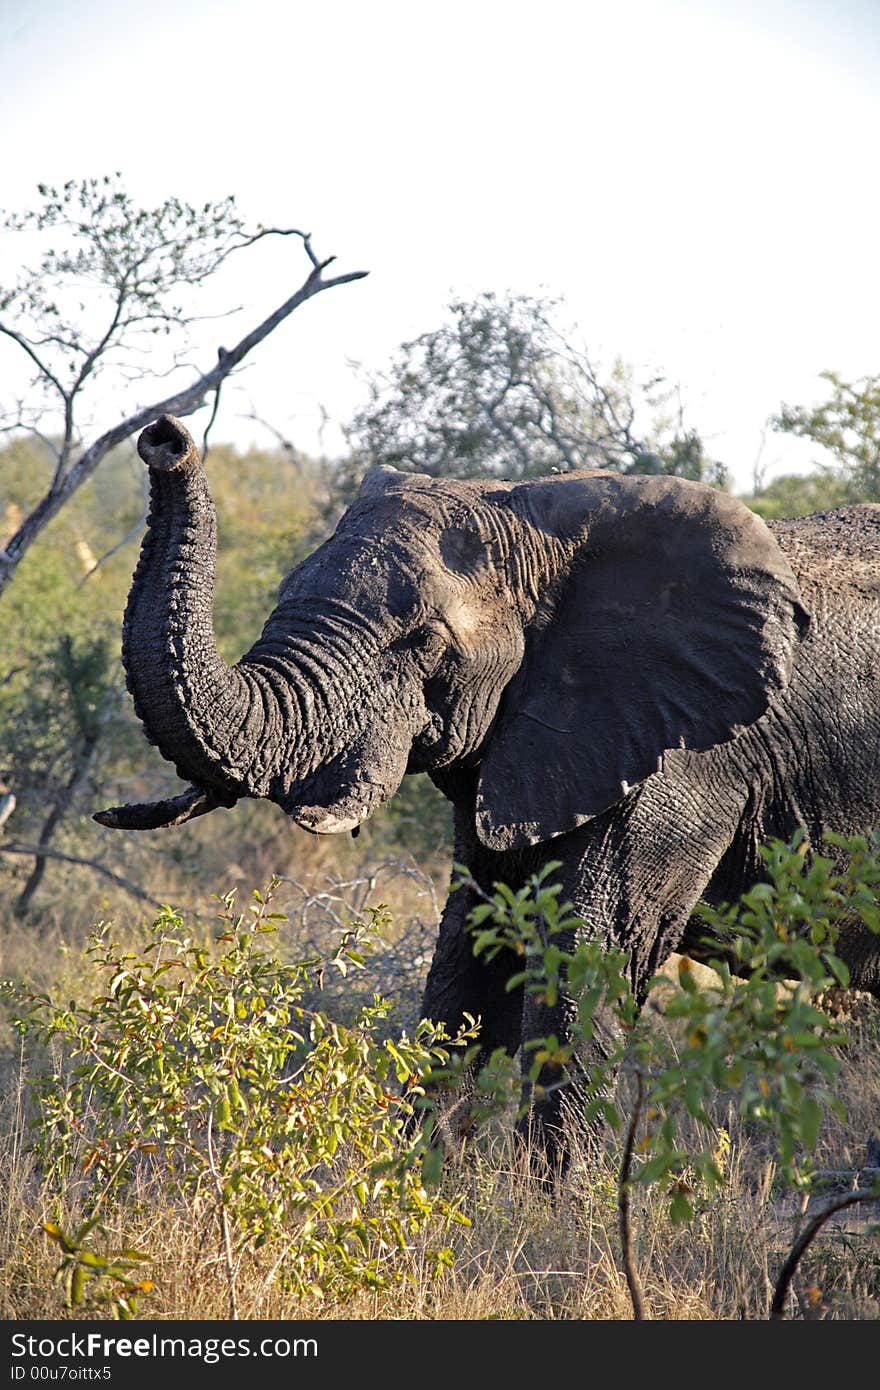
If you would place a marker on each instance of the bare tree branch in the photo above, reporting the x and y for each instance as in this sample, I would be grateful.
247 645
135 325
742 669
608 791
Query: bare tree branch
26 347
305 238
17 847
180 404
135 530
221 352
807 1236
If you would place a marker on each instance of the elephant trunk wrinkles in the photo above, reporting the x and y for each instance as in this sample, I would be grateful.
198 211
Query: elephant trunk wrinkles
218 724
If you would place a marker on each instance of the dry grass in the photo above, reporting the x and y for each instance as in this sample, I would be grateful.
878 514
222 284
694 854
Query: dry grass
527 1254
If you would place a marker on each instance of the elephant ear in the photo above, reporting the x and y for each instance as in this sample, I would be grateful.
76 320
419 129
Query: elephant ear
671 624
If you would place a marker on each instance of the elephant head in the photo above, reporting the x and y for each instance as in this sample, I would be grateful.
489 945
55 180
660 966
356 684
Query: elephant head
559 636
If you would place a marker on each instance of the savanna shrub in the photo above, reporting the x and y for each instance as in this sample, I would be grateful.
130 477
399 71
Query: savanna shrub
203 1070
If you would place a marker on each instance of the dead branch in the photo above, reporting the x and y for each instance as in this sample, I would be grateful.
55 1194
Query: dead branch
17 847
181 404
806 1238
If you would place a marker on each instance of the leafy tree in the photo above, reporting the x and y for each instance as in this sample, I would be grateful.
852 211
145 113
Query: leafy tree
56 728
498 391
60 684
681 454
114 277
798 494
847 424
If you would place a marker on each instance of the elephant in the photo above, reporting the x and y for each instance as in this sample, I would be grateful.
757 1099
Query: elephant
635 676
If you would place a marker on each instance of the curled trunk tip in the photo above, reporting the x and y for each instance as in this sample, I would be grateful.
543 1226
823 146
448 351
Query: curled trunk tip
156 815
166 445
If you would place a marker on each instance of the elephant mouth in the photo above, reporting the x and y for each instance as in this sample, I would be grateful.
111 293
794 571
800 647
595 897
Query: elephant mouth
343 792
339 799
330 820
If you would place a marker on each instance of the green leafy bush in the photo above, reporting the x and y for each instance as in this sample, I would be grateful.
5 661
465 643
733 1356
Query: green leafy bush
203 1070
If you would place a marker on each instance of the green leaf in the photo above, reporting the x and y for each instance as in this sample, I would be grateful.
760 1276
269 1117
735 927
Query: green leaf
77 1285
432 1166
810 1122
91 1260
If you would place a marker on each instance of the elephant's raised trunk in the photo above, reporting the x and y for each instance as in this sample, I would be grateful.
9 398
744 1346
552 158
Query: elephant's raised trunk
240 731
206 717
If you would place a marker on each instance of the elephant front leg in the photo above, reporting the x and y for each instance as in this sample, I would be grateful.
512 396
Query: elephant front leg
634 875
461 984
562 1073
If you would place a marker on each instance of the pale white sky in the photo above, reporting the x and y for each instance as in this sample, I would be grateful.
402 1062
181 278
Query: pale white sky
698 178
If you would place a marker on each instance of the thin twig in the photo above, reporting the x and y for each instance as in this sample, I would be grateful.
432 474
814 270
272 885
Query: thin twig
228 1255
205 445
129 536
282 440
633 1281
26 347
807 1236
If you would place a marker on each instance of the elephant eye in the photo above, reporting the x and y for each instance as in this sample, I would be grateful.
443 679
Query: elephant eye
428 644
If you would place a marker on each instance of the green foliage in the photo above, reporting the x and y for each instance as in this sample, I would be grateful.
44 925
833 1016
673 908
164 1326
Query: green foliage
799 494
205 1070
537 927
94 1281
683 455
26 466
51 593
757 1036
266 515
61 729
847 424
765 1042
51 714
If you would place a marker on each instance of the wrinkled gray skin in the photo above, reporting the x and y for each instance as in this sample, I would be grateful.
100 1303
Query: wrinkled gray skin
635 676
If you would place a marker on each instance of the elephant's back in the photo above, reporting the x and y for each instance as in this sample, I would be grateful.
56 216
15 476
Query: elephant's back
835 555
824 729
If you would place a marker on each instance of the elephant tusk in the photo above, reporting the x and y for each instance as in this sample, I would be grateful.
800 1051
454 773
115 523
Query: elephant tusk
156 815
